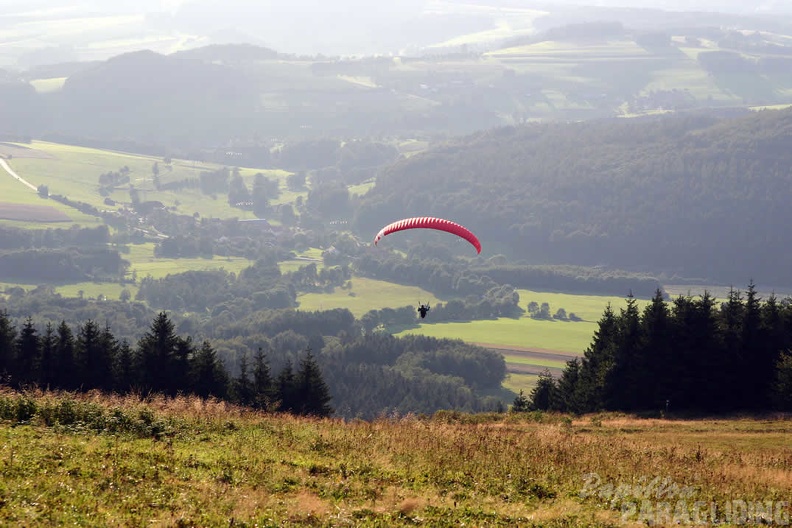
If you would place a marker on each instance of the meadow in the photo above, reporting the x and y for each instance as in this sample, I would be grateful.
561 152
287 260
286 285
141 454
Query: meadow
111 461
74 171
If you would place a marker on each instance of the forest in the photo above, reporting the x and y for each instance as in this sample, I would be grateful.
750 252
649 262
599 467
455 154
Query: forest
690 195
692 356
245 359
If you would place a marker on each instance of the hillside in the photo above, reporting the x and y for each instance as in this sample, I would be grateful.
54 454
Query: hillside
692 195
191 462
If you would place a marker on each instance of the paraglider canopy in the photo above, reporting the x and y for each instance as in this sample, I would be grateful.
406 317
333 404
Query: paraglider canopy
430 222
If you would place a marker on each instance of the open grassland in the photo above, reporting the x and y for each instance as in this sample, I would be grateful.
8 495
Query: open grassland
144 263
365 295
100 461
523 332
74 171
517 381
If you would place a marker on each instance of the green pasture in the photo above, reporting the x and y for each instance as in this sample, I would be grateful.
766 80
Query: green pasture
144 263
365 295
520 382
94 290
74 172
523 332
13 191
516 359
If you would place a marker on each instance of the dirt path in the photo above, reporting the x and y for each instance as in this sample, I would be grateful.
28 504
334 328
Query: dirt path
9 170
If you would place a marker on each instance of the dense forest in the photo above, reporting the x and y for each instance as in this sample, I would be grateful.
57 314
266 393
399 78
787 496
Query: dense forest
694 355
367 372
689 195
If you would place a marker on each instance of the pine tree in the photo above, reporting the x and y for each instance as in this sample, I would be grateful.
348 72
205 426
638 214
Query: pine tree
124 372
262 382
155 355
313 395
243 387
7 345
65 366
543 394
95 369
47 377
28 350
597 361
209 376
521 403
566 394
286 388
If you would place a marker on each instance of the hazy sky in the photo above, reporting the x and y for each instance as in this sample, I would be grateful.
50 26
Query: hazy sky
37 31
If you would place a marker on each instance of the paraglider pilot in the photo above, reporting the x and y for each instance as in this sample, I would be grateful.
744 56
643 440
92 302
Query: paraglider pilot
423 309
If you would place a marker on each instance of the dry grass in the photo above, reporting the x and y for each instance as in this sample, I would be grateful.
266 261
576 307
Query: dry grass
214 464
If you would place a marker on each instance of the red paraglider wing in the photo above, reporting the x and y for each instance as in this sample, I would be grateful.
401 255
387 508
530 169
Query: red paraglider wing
428 222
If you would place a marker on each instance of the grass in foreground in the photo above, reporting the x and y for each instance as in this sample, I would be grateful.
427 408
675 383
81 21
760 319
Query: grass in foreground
93 460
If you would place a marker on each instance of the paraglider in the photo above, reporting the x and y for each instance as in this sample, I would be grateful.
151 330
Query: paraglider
423 309
429 222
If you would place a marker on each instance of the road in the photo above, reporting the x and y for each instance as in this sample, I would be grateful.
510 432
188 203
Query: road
9 170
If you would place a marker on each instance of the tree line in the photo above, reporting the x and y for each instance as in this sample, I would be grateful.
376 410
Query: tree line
367 373
92 358
693 355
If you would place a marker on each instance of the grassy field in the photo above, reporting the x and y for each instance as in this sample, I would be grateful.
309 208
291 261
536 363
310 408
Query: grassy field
365 295
74 172
142 261
104 461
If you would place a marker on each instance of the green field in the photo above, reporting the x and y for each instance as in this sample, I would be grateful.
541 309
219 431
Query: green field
144 263
74 171
365 295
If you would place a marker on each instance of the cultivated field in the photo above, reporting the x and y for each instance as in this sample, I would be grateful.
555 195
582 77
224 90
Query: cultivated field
122 462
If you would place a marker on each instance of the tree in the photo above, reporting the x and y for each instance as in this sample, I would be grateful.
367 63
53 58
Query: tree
124 373
7 346
65 366
156 351
94 356
47 370
243 391
209 376
543 394
286 386
262 382
27 353
521 403
313 395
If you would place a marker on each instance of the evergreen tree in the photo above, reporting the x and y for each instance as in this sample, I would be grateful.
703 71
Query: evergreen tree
28 350
286 388
566 395
623 378
543 394
521 403
597 361
94 367
66 368
125 375
262 382
7 345
782 386
655 385
209 376
759 361
313 395
47 375
156 351
243 392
